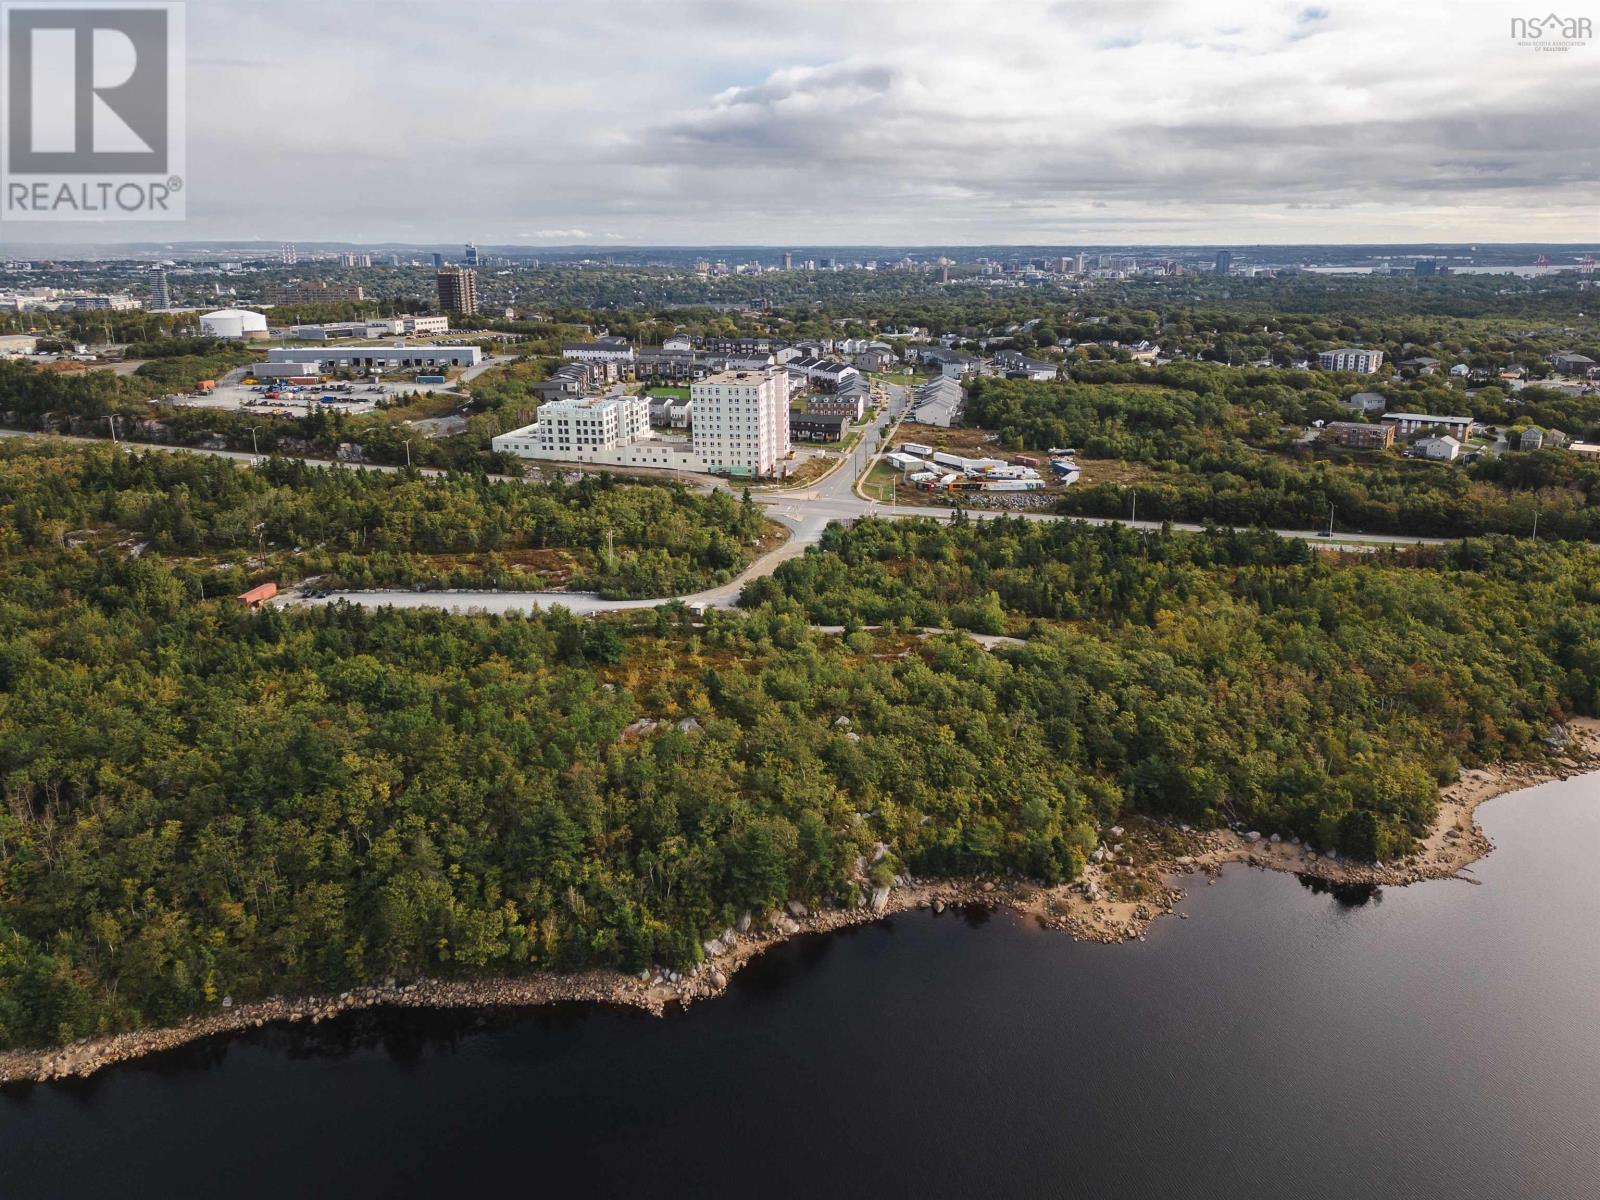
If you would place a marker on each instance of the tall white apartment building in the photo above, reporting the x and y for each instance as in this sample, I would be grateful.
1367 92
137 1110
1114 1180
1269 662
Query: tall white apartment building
741 421
583 425
1350 358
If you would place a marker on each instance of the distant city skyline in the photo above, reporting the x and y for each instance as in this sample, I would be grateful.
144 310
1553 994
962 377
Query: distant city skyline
1069 123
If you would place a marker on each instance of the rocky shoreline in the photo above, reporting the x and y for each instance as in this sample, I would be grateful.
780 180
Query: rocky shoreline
1130 884
653 992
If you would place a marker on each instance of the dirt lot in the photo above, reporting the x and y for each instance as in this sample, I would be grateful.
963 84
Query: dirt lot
971 443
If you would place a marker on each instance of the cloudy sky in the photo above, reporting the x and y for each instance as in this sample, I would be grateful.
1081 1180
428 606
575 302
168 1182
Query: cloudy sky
880 121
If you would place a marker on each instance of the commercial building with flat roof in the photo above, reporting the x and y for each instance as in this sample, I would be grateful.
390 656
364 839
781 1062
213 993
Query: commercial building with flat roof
379 358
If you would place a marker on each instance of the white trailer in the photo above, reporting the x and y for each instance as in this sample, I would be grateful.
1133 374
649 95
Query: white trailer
1013 485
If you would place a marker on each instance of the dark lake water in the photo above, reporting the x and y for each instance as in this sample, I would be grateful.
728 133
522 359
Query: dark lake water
1286 1041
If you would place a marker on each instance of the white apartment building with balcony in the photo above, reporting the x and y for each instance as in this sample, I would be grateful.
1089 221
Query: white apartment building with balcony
1351 358
611 431
591 423
741 421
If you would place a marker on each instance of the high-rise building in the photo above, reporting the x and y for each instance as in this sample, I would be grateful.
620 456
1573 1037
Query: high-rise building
438 261
288 255
160 294
1224 261
470 258
741 421
788 260
458 290
315 292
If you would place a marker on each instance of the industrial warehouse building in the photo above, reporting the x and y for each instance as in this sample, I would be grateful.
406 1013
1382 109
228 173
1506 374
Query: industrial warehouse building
298 369
381 358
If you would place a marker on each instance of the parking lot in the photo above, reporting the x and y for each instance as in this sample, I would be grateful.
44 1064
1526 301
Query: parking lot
354 396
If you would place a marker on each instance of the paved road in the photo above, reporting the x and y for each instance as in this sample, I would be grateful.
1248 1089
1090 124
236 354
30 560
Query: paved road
806 511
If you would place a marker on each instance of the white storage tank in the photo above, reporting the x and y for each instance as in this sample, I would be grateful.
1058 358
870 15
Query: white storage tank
234 323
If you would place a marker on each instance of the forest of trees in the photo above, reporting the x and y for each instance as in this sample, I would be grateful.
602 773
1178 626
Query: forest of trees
1240 675
1219 445
201 801
231 525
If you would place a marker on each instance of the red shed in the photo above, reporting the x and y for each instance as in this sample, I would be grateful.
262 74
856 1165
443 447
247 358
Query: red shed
257 596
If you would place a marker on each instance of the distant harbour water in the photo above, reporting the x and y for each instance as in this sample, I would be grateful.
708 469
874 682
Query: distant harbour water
1529 271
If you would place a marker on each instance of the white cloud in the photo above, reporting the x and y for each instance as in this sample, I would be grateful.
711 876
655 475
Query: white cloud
1027 120
558 235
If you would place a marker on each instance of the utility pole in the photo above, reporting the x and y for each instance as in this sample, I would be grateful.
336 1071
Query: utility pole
1330 520
1133 518
1536 524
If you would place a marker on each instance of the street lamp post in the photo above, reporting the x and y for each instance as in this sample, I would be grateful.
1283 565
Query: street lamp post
254 447
408 451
